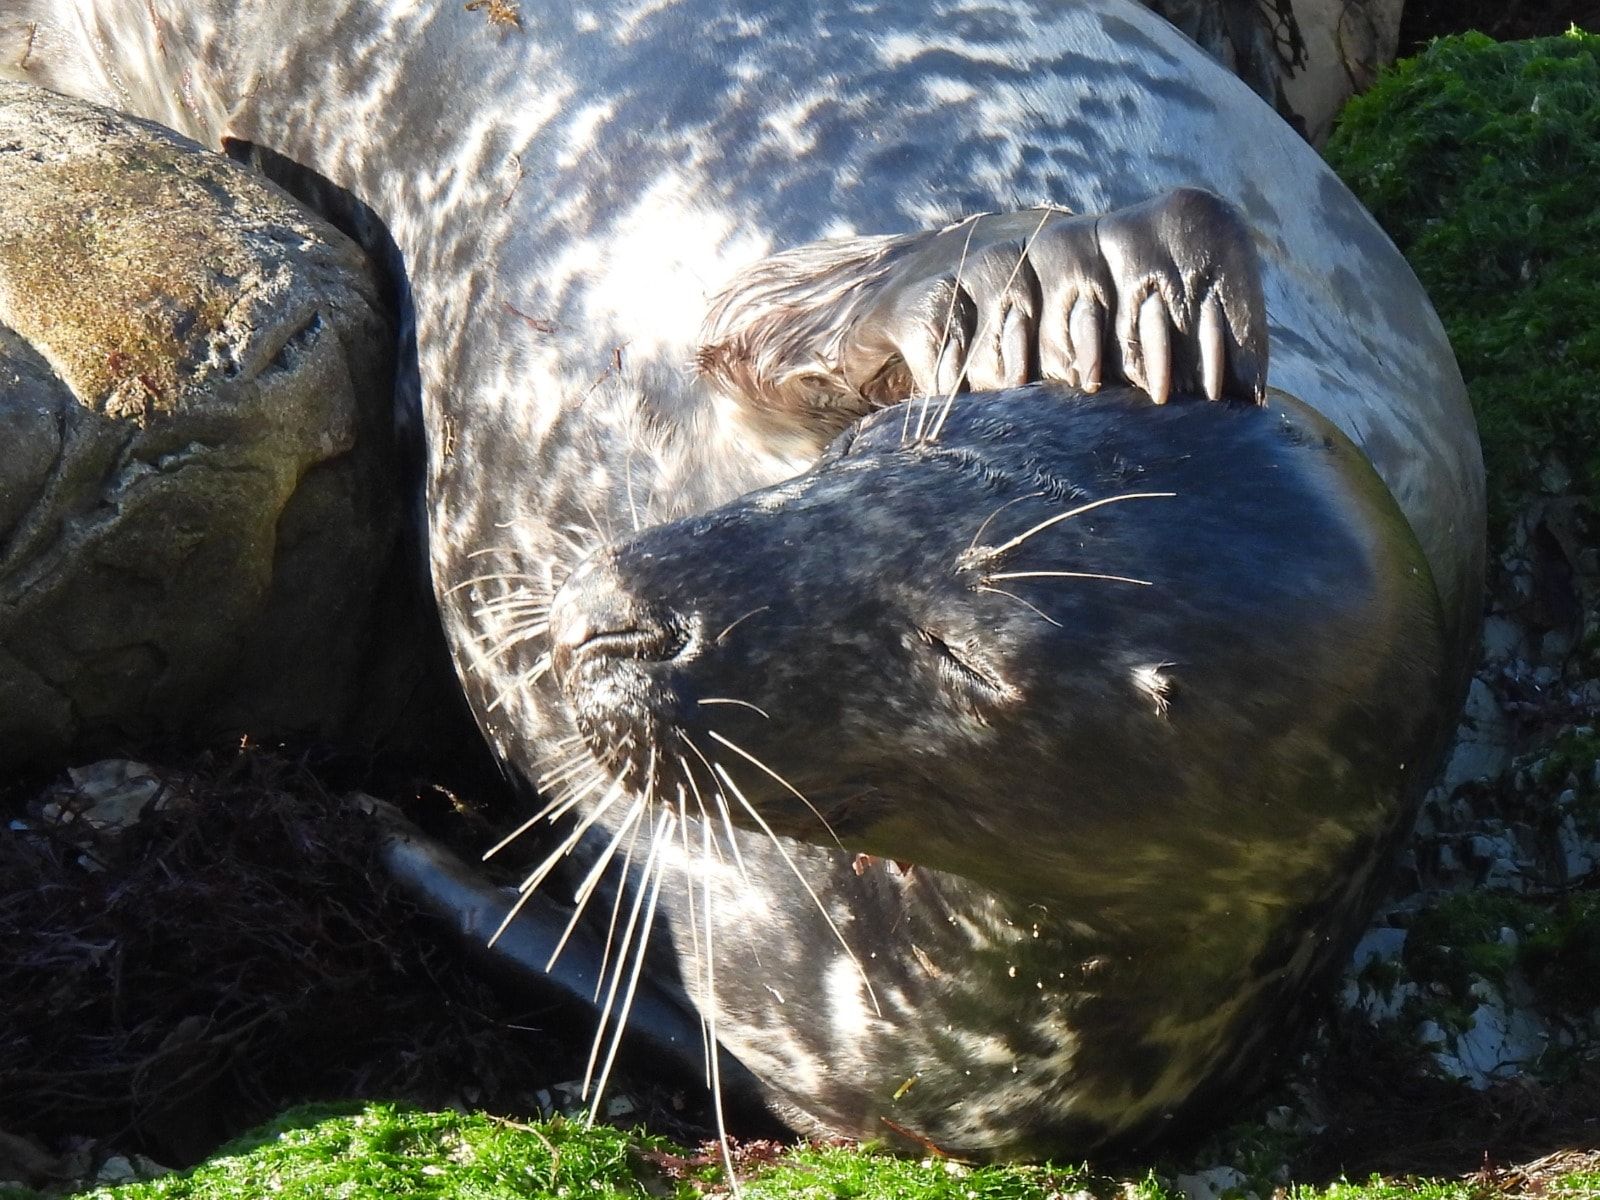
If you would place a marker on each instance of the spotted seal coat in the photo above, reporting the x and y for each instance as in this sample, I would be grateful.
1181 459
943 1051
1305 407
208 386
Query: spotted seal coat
1073 888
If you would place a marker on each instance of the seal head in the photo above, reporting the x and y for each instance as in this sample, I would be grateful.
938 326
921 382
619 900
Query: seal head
940 649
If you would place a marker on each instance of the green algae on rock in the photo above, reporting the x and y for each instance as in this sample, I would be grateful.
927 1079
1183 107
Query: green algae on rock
1480 159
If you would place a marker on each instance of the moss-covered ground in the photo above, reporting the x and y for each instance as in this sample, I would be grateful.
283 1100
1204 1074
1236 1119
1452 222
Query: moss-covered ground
383 1152
1555 942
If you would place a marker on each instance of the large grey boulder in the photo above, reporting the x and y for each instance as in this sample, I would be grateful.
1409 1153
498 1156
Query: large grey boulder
198 508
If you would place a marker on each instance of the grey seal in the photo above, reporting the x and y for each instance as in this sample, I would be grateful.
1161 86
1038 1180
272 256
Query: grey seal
1102 819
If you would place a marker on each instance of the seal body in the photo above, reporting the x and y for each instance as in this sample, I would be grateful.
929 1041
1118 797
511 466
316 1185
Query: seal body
565 194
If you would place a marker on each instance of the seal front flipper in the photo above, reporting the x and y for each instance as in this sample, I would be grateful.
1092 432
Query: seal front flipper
541 952
1165 295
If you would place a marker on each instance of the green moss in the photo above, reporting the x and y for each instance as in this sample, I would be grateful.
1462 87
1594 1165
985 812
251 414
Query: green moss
1573 755
1577 1185
1557 947
1459 938
818 1173
1580 1185
1481 161
1259 1152
1562 955
1378 1188
383 1151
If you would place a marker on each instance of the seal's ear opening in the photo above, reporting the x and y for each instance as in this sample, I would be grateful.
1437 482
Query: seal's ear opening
838 448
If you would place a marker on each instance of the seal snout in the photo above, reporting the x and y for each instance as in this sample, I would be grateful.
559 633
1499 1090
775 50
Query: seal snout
596 623
608 646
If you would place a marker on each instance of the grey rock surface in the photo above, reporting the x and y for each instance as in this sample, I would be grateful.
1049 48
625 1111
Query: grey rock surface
1512 825
199 510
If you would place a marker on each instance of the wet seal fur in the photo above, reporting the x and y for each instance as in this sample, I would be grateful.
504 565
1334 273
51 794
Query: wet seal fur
1122 804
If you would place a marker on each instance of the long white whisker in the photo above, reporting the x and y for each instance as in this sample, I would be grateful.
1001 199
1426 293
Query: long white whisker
601 535
706 963
559 750
722 807
996 551
591 881
600 806
542 872
502 576
616 908
510 916
481 551
566 770
709 1012
944 336
512 640
568 786
578 548
717 641
648 883
688 869
553 812
512 836
627 478
622 959
531 675
708 1042
561 743
638 970
996 513
513 604
566 797
795 870
1036 610
544 812
518 596
949 401
756 762
592 540
740 703
1065 575
505 627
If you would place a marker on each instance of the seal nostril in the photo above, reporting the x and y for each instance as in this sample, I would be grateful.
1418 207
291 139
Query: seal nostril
595 619
652 643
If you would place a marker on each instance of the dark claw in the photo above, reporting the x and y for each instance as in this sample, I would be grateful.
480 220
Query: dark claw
1187 256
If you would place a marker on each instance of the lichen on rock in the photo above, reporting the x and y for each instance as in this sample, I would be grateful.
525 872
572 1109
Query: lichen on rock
199 509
